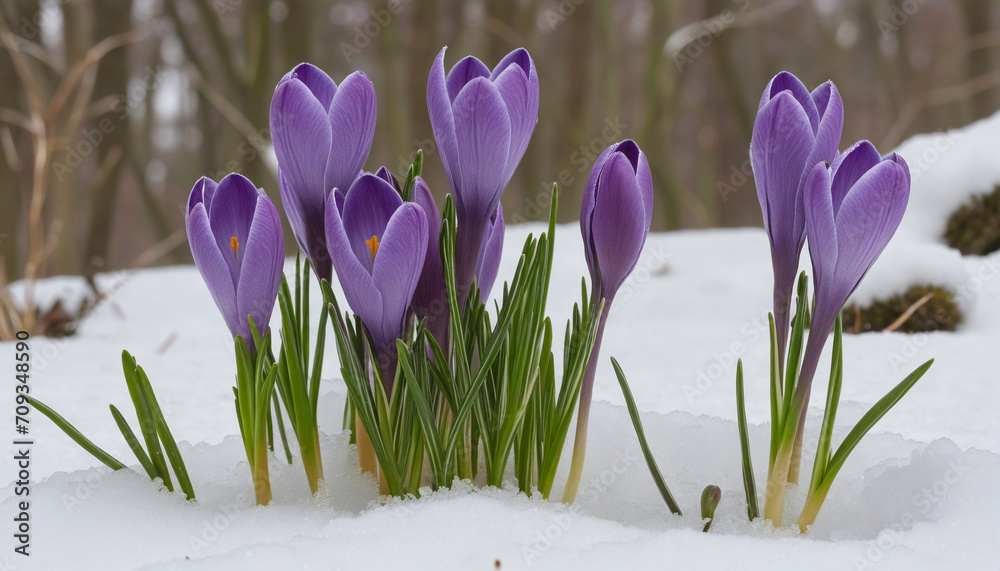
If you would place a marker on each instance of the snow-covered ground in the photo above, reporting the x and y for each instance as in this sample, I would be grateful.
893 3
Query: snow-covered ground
919 492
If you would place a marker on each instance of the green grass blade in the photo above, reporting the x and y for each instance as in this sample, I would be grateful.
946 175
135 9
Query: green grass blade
633 412
832 401
144 414
169 444
749 483
134 444
870 418
77 436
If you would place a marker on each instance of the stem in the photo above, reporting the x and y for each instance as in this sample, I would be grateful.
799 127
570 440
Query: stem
813 504
261 477
311 460
803 390
583 416
468 240
774 494
366 454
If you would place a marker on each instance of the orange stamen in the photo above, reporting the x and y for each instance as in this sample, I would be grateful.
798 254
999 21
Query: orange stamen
373 246
234 244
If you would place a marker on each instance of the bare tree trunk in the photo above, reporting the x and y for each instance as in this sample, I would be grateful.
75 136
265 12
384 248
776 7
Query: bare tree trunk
112 79
423 48
976 14
15 158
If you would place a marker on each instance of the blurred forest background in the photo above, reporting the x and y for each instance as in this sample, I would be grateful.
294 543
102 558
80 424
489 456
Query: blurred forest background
111 109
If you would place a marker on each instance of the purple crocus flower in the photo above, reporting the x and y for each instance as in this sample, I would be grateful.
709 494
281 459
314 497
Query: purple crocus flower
615 215
430 300
322 134
377 244
482 123
490 253
235 236
794 130
852 209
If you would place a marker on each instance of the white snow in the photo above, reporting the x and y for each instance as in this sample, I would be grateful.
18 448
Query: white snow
919 492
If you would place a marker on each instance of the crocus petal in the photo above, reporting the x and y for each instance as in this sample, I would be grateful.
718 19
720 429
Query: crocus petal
618 223
785 81
483 136
820 225
301 133
850 166
202 192
359 288
831 125
867 219
352 122
368 207
443 120
587 206
467 69
782 141
260 273
384 174
518 87
490 254
398 264
230 216
316 80
209 260
643 176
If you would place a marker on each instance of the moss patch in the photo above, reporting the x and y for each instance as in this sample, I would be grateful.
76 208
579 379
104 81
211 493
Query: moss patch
938 313
974 229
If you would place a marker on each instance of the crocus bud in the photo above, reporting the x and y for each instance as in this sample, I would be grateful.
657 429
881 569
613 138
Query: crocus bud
793 131
378 244
322 133
235 236
710 498
482 122
614 219
615 215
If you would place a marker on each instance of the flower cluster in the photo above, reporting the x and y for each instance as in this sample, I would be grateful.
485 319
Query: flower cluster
848 205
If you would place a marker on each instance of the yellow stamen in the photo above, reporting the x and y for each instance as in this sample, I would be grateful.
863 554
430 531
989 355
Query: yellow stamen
234 244
373 246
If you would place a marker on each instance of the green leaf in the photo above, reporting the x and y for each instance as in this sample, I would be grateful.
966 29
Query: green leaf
749 483
133 443
633 412
867 421
78 437
147 424
832 401
169 444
